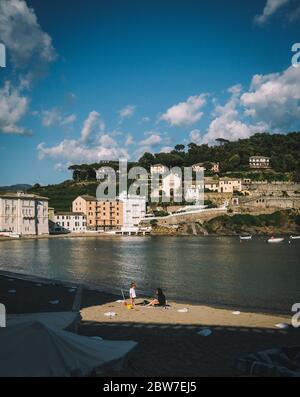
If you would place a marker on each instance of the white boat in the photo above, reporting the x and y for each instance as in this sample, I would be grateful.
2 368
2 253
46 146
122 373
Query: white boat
14 235
9 234
245 237
275 239
295 237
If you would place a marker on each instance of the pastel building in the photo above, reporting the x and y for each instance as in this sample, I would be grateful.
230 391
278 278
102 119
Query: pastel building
87 205
24 214
134 210
109 214
230 185
259 162
214 167
69 222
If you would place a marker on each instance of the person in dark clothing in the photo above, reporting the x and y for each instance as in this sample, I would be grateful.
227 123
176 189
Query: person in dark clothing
160 299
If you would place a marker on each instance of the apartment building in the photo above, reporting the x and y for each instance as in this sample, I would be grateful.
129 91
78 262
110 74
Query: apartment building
24 214
69 222
229 185
214 167
125 211
134 210
158 169
87 205
223 185
109 214
259 162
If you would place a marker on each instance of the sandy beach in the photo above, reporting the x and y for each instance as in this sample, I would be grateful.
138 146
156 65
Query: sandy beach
184 314
169 343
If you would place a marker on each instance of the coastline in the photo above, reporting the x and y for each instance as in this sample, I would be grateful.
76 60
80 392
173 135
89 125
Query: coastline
97 294
159 333
284 233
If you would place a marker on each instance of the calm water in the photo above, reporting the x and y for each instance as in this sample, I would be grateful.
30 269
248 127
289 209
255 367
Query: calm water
211 270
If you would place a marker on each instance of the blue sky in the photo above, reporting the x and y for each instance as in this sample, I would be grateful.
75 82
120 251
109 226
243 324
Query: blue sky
109 79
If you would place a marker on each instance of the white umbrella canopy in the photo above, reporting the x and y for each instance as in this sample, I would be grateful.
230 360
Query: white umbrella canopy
33 349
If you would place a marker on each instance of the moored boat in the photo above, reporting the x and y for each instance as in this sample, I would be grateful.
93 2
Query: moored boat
275 239
245 237
295 237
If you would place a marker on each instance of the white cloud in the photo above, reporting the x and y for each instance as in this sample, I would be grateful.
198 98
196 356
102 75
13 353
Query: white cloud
67 120
228 121
151 143
166 149
22 34
152 140
275 99
129 140
127 112
107 141
30 49
75 151
13 106
92 146
195 136
53 117
50 117
270 8
185 113
91 124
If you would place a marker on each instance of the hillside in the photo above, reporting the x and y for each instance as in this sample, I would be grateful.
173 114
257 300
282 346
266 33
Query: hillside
233 156
15 188
62 194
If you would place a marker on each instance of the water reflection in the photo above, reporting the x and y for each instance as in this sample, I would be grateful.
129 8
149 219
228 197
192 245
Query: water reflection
207 270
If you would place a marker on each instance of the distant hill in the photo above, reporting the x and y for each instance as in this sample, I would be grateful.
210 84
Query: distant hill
15 188
61 195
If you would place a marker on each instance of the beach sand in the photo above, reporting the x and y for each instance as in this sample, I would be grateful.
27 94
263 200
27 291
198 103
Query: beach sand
168 341
198 315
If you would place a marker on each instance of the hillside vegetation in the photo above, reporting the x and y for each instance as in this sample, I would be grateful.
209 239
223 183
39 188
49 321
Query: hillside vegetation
233 156
61 195
278 222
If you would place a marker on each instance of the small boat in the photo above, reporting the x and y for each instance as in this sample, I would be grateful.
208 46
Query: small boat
275 239
14 235
245 237
295 237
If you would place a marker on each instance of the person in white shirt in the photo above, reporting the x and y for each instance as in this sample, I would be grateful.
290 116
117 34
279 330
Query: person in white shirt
132 294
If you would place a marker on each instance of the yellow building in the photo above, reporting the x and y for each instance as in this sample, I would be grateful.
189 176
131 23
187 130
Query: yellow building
87 205
109 214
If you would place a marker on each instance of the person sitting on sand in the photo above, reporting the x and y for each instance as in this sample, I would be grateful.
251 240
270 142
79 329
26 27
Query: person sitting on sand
160 299
132 294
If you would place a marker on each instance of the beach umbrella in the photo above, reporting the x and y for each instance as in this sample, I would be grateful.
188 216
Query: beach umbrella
33 349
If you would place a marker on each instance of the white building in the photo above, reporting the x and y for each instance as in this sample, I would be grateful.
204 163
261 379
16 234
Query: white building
223 185
200 167
134 210
158 169
259 162
169 182
194 193
24 214
69 222
229 185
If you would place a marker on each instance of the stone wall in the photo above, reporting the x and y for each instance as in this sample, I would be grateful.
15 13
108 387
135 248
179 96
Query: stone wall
274 187
186 218
271 202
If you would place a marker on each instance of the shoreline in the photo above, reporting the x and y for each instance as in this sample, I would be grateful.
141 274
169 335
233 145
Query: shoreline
116 236
95 289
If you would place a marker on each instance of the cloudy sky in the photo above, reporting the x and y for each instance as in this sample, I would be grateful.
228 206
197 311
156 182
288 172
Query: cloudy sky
109 79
